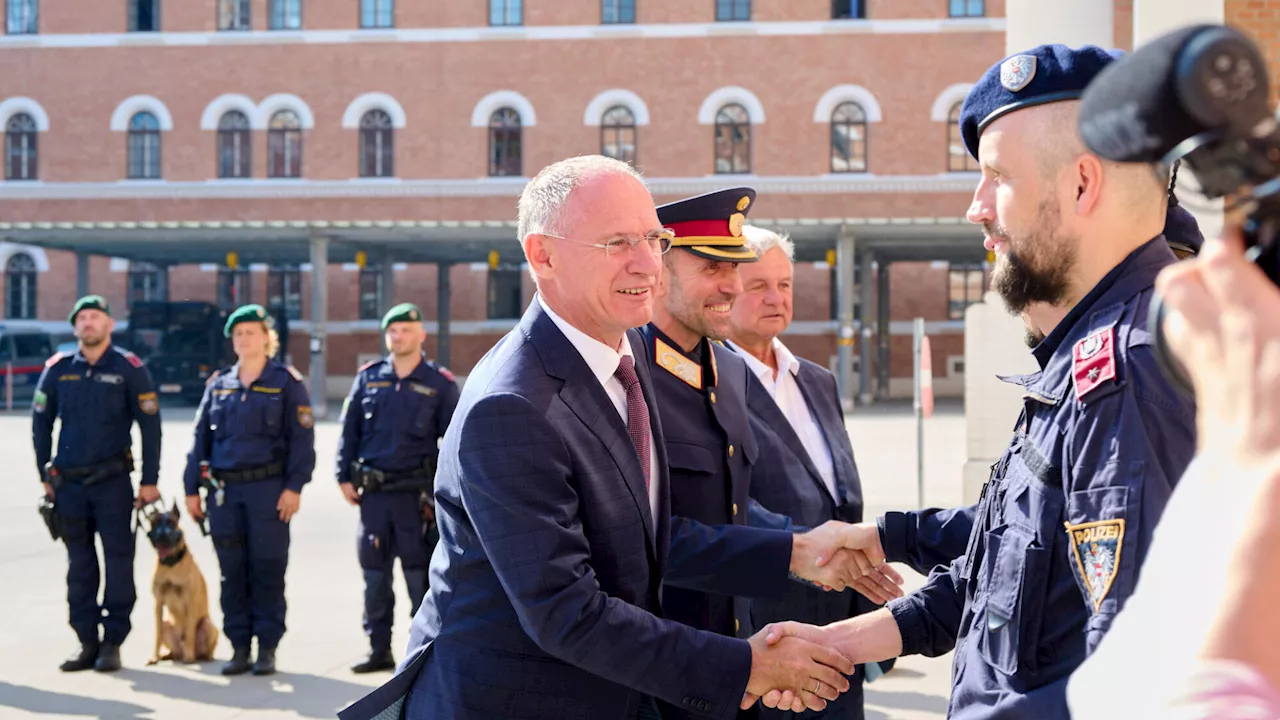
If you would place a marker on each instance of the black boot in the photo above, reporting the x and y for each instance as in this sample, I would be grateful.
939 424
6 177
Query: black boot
266 664
379 659
83 659
239 662
108 658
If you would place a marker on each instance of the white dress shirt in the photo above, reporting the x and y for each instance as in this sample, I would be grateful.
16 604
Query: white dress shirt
786 392
603 361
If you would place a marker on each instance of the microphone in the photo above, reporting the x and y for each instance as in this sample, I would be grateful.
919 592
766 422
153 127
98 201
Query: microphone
1204 82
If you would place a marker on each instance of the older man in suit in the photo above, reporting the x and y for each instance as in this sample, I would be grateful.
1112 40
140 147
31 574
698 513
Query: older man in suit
552 500
806 468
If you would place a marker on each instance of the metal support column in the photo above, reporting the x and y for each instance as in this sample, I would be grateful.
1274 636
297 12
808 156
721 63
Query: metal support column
882 332
162 283
388 298
442 312
82 274
867 324
845 249
319 324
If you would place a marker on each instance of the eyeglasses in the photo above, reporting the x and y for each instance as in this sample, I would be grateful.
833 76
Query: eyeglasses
659 240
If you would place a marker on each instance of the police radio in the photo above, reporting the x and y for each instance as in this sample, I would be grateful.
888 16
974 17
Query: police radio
1198 95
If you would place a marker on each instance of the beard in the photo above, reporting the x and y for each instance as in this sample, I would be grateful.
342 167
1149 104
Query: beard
1037 266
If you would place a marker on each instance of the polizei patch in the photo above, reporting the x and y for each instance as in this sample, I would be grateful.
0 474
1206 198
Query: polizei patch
1096 547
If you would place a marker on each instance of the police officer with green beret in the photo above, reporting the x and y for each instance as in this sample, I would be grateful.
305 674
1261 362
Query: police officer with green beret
99 392
398 409
254 449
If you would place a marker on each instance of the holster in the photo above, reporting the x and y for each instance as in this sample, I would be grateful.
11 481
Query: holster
49 514
372 480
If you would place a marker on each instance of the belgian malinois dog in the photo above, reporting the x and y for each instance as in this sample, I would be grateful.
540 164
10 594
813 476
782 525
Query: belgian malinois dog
183 625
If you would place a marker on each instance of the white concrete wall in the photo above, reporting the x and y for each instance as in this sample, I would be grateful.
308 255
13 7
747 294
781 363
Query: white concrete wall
1071 22
1151 19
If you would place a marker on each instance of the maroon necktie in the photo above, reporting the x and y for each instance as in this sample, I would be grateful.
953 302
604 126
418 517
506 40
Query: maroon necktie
637 412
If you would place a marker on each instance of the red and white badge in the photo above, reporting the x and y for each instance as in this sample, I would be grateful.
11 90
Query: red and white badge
1094 361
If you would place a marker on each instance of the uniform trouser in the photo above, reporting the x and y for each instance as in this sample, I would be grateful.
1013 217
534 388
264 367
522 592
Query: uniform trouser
103 508
252 544
391 526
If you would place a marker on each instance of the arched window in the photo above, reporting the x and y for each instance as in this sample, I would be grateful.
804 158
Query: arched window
618 134
20 280
284 145
20 148
234 148
733 140
848 138
376 146
504 143
958 158
144 147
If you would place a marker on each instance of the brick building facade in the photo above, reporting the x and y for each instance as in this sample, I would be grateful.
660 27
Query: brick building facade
234 117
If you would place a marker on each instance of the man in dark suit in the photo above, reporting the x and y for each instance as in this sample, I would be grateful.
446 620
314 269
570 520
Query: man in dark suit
806 468
553 504
702 387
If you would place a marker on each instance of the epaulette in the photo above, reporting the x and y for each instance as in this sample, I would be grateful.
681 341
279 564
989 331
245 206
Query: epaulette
134 360
53 360
212 376
1094 361
368 365
294 372
446 373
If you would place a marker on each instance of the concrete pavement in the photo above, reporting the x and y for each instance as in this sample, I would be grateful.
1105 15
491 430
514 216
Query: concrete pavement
325 593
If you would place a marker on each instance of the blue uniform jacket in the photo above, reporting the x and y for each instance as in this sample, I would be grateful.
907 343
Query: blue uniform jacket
392 424
241 428
1065 520
98 405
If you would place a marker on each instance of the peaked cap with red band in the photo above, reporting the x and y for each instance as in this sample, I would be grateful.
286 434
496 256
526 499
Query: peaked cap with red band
710 225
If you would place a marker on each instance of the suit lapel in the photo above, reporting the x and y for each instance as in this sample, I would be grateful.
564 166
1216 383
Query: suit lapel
845 471
772 415
587 398
661 473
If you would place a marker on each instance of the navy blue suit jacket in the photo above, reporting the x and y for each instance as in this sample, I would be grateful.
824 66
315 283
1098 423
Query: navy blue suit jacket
545 597
786 480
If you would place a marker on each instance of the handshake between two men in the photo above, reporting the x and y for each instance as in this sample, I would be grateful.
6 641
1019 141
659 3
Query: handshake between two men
796 666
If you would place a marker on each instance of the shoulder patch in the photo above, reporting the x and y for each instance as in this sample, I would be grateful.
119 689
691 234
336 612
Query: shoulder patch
1095 546
1093 361
134 360
446 373
294 372
54 359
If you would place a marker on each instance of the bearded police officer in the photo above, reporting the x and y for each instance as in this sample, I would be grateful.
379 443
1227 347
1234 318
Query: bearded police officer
98 392
1055 544
398 409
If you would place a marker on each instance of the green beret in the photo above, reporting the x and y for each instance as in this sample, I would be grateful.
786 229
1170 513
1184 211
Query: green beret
245 313
404 312
88 302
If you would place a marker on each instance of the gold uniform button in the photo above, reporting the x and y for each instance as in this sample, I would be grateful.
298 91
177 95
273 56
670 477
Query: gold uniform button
735 509
713 397
736 625
730 451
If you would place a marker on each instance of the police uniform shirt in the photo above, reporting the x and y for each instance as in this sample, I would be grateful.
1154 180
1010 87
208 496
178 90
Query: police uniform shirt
603 362
786 392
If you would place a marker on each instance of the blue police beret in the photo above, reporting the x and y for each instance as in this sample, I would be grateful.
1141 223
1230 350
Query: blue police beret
88 302
246 313
1046 74
1181 231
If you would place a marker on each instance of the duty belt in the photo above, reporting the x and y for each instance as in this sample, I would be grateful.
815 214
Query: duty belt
92 474
231 477
375 480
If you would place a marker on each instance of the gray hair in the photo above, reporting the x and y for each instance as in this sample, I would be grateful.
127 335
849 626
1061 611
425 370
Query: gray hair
542 203
762 241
